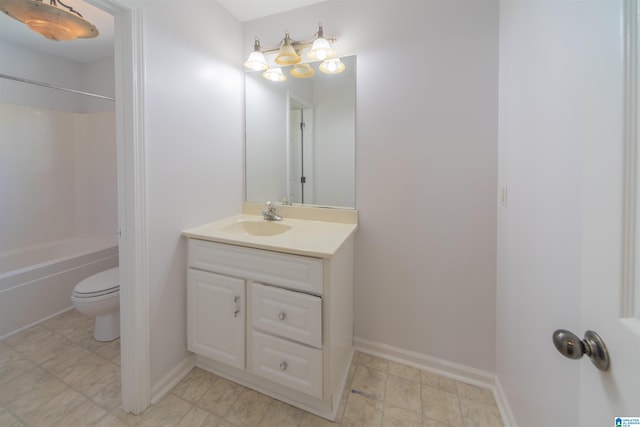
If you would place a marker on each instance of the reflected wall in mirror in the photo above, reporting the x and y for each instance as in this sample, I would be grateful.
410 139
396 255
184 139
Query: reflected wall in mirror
300 138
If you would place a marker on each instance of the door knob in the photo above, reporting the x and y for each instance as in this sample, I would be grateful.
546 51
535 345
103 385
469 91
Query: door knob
569 345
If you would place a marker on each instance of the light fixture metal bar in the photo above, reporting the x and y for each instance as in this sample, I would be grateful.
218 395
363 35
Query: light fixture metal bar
298 45
33 82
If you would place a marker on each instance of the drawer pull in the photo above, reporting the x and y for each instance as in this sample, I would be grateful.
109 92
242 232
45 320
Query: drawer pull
283 366
282 316
236 301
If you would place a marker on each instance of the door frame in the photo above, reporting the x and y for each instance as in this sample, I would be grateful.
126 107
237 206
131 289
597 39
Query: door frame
308 165
630 295
132 203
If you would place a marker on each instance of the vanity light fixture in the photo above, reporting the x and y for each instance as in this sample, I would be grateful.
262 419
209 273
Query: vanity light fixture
50 20
302 71
256 60
332 66
289 54
274 74
321 49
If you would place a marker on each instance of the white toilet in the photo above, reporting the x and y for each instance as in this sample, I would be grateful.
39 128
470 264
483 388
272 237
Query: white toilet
99 296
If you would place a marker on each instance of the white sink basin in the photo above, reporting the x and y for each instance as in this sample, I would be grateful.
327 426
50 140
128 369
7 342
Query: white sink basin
257 228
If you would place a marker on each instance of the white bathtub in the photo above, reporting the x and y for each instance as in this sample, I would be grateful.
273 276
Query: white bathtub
36 283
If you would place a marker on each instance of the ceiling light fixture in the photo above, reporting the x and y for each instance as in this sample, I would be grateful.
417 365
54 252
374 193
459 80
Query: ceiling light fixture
289 54
50 20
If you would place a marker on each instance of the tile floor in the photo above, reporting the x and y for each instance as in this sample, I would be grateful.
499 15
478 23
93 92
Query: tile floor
55 374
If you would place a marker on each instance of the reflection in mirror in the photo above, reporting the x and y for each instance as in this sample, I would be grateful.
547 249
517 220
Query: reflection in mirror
300 138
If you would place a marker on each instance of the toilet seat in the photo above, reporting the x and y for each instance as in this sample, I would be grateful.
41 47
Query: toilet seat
96 294
103 283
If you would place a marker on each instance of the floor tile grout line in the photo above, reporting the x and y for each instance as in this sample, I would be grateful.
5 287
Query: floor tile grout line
107 413
191 406
38 366
90 398
461 390
13 414
23 353
79 343
48 372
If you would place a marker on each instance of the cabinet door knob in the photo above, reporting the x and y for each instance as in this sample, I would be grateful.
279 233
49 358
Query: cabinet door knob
283 366
236 301
282 316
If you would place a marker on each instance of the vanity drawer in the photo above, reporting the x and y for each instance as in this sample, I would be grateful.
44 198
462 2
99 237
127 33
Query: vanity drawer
290 364
291 271
289 314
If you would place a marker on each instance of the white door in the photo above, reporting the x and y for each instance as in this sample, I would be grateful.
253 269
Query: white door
216 318
610 225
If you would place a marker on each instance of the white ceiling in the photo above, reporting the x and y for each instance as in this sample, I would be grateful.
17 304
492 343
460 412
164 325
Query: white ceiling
89 50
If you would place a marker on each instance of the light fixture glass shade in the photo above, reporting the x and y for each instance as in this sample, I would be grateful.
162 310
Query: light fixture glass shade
256 61
274 74
332 66
52 22
320 50
287 56
302 71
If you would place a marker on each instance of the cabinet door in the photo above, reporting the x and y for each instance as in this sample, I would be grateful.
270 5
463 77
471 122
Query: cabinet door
216 317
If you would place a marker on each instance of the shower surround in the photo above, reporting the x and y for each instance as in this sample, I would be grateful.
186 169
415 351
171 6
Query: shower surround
59 208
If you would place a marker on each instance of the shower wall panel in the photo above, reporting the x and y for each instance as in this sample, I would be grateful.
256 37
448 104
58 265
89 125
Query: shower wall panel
57 175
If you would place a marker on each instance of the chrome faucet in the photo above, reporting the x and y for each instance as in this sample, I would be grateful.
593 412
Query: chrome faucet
269 214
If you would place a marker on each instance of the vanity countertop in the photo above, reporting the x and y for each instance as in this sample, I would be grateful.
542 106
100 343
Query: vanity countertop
320 239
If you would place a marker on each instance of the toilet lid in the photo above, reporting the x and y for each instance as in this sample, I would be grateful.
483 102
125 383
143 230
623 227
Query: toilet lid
101 283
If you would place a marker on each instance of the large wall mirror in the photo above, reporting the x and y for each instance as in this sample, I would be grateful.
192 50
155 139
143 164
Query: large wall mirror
300 138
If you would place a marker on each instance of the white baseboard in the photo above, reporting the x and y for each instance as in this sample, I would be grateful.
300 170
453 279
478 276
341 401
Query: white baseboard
503 405
455 371
173 377
445 368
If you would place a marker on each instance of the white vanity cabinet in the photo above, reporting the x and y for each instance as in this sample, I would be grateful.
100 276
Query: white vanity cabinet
279 323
